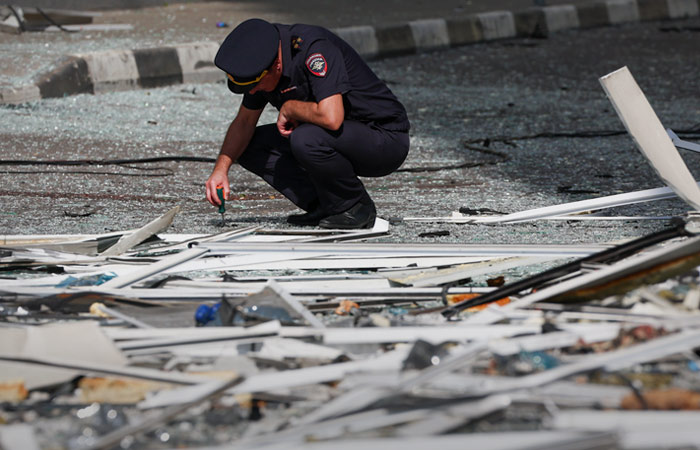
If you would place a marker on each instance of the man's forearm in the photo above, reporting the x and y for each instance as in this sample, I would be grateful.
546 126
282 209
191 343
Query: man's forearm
223 163
328 113
236 140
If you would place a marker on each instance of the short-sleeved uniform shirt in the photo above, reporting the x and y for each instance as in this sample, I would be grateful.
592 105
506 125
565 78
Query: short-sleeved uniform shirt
317 64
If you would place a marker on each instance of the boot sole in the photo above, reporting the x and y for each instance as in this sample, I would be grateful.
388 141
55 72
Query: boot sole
368 224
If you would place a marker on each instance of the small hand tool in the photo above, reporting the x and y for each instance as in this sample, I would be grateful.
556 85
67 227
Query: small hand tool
222 206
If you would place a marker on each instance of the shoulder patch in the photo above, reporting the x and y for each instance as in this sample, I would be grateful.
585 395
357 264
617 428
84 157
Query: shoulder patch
317 65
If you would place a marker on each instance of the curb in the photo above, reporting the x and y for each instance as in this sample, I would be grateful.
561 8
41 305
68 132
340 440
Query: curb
117 70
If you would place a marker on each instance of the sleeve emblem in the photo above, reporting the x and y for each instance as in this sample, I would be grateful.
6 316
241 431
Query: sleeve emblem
317 65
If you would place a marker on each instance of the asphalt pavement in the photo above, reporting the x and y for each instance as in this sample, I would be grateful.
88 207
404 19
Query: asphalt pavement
513 87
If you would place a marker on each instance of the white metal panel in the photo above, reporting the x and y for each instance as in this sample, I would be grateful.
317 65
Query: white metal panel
649 135
615 271
609 201
130 240
141 273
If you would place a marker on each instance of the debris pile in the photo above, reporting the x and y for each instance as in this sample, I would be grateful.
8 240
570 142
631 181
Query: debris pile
258 338
278 338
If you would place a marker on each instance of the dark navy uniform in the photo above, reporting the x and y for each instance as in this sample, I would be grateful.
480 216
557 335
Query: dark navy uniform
317 167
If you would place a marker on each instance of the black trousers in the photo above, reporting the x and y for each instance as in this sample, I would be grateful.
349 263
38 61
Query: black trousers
317 167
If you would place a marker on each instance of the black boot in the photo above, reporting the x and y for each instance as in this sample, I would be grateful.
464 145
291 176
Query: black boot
361 215
309 219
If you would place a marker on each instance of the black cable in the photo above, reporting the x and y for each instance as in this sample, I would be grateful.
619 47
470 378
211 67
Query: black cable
554 135
469 144
19 19
502 158
126 163
101 162
87 172
164 170
53 22
693 132
639 395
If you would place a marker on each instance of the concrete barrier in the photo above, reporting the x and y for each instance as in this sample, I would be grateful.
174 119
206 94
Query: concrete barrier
562 17
363 39
622 11
113 70
462 31
197 62
430 34
680 9
497 25
395 40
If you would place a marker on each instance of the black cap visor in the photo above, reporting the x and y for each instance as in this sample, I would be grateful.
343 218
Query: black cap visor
243 85
240 89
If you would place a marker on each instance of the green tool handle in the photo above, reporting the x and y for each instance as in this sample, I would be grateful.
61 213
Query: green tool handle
220 194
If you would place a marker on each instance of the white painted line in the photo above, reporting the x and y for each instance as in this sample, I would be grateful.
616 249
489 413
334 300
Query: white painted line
649 135
430 34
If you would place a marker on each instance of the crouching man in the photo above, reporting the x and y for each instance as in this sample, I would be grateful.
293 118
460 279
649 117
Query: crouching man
337 121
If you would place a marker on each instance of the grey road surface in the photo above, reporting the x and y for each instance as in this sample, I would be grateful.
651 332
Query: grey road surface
479 93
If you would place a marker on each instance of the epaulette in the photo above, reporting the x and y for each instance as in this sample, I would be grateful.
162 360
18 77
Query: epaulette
296 43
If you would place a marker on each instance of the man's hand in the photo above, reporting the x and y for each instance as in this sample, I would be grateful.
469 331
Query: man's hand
217 179
237 139
285 124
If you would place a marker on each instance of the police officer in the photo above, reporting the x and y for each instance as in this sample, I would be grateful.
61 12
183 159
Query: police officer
336 121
